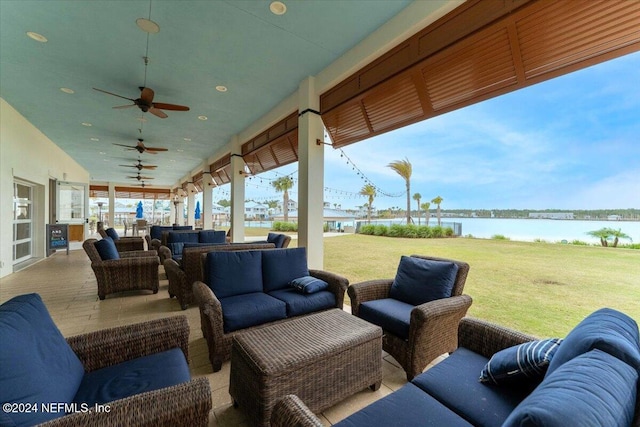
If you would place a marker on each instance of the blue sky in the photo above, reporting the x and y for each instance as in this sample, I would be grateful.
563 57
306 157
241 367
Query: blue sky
569 143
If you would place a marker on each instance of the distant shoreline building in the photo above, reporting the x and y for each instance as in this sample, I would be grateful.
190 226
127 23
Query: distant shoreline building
551 215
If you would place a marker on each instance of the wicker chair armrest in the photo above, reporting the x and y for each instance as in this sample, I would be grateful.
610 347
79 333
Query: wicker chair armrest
164 253
210 307
368 291
183 404
115 345
292 412
114 265
337 284
488 338
437 317
155 244
137 254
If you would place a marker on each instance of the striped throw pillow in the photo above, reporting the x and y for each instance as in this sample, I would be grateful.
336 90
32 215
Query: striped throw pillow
528 362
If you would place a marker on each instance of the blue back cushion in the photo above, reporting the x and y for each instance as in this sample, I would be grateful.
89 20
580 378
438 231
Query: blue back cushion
156 231
234 272
608 330
36 363
111 232
107 249
176 248
212 236
419 280
281 266
276 239
184 237
592 389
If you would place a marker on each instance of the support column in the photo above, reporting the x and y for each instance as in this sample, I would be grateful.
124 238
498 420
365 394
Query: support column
237 192
310 174
207 207
191 206
112 204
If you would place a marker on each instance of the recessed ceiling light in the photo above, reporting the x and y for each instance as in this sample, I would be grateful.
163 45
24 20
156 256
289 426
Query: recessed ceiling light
105 160
278 8
67 90
187 139
86 124
202 117
147 25
37 37
221 88
102 153
180 150
172 161
141 119
95 139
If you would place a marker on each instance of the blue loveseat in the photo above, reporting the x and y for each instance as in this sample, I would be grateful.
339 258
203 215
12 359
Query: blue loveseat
154 236
137 374
246 289
175 241
591 380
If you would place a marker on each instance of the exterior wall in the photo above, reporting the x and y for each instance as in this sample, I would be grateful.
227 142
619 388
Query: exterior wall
27 154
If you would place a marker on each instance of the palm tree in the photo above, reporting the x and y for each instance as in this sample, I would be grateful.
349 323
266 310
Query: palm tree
425 207
417 198
369 191
403 168
284 184
437 200
605 234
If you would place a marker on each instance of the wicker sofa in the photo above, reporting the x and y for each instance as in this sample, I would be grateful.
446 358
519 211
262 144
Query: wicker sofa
134 375
182 275
592 379
249 289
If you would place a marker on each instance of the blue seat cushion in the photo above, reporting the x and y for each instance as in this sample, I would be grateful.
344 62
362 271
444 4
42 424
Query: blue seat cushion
308 284
276 238
134 376
37 365
212 236
107 249
390 314
111 232
420 280
298 304
408 406
176 248
454 382
592 389
524 362
191 237
233 273
608 330
281 266
244 311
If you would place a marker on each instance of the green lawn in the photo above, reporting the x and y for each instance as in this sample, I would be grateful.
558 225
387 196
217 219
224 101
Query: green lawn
539 288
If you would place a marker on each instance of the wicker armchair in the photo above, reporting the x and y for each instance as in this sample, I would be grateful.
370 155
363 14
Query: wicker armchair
126 244
134 270
433 328
187 403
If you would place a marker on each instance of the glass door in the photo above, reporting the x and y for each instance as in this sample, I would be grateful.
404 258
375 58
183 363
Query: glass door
22 221
73 205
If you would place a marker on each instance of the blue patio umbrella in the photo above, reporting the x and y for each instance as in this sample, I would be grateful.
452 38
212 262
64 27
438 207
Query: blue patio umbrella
139 210
197 211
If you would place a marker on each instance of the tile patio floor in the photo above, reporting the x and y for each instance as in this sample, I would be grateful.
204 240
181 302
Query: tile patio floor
68 287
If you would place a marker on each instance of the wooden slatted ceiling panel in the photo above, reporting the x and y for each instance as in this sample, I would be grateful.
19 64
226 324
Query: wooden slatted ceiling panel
542 40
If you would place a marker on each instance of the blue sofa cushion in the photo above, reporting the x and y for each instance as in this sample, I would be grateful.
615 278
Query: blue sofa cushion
111 232
37 365
176 248
244 311
197 245
155 232
408 406
524 362
182 227
419 280
276 238
308 284
132 377
281 266
183 237
233 273
107 249
298 304
454 382
388 313
608 330
592 389
212 236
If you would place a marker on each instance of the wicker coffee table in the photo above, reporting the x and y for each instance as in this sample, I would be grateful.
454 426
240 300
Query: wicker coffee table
322 358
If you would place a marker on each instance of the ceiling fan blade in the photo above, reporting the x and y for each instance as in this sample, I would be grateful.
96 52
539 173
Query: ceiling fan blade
114 94
128 166
148 166
157 112
147 95
173 107
147 177
125 106
130 147
156 149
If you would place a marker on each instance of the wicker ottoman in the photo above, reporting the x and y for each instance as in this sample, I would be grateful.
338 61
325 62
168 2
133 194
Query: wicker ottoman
322 358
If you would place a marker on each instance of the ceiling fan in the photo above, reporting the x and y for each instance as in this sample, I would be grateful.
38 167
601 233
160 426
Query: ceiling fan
139 177
145 103
143 184
142 148
140 166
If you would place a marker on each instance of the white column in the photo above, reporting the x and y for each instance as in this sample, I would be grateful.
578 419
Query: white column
191 206
112 204
237 192
310 174
207 207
